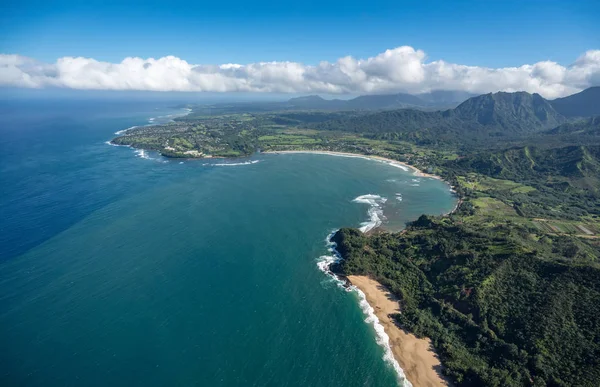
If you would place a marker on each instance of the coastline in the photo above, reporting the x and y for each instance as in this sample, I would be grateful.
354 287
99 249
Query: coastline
399 164
415 356
413 359
395 163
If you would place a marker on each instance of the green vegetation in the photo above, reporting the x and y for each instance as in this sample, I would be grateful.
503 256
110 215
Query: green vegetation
501 308
477 121
508 286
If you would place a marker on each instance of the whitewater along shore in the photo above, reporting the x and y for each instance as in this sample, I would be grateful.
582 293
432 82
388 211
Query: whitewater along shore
399 164
416 356
413 359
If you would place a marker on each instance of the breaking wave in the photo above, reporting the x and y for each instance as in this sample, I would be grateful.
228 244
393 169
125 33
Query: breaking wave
375 211
121 132
168 117
141 153
158 120
151 121
394 164
382 339
231 164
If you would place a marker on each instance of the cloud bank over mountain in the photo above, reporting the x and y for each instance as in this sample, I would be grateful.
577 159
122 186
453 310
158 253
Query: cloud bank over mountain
402 69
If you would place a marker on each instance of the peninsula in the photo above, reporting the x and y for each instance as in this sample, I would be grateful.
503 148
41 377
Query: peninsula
486 283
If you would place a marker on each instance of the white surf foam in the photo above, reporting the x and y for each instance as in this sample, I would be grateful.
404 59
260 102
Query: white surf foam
231 164
169 117
121 132
375 211
392 163
141 153
399 197
325 261
152 120
381 338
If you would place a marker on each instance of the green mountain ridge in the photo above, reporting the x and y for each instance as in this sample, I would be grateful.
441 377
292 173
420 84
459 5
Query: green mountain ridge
583 104
569 168
518 112
432 100
590 126
499 114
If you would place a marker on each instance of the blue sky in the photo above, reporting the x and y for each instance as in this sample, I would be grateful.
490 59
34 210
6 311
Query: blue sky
549 47
481 33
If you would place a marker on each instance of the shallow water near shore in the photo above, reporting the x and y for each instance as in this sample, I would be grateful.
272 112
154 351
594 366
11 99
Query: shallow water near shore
121 267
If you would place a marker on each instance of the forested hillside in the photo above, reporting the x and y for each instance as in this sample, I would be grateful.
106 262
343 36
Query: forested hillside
566 169
501 308
479 118
508 287
585 127
512 112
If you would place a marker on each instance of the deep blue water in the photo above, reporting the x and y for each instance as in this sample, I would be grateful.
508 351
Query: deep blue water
120 269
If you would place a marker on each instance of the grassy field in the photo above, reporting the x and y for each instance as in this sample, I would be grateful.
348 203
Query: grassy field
483 183
489 210
288 139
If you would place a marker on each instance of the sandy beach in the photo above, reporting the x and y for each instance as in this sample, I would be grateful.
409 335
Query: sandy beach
400 164
415 356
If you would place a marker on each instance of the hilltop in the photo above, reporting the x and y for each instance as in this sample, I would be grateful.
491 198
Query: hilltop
478 118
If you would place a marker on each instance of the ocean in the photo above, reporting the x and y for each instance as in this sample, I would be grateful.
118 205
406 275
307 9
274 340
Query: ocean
120 267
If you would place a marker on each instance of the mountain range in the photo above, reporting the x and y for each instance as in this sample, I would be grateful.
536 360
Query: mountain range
494 114
583 104
437 99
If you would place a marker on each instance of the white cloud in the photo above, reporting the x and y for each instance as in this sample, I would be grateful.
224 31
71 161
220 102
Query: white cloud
399 69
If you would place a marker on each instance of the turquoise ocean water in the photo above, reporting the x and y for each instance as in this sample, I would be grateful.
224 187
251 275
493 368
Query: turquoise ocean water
120 267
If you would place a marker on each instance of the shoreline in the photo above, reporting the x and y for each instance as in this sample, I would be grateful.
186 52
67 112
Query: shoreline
395 163
416 357
413 359
399 164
